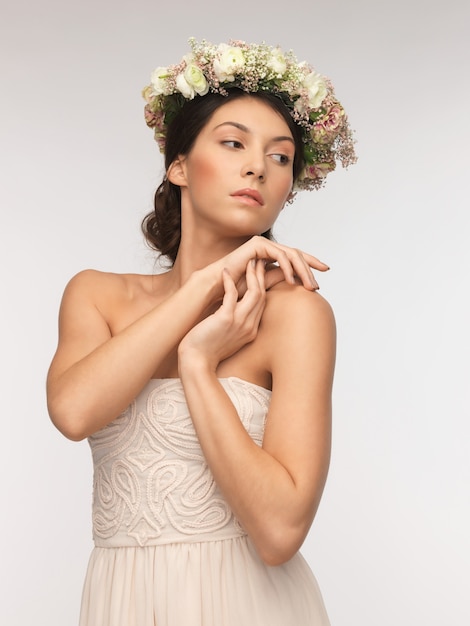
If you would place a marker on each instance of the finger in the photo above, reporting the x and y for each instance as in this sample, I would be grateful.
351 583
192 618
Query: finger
230 291
250 308
311 260
301 263
273 276
307 274
261 274
261 277
252 283
255 293
293 264
280 255
241 287
316 263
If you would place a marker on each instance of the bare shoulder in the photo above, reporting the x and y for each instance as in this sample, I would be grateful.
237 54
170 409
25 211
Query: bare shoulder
118 299
298 332
94 307
105 286
89 281
288 304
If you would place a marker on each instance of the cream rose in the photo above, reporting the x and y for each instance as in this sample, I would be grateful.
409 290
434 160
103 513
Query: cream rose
148 93
196 79
184 87
277 62
228 62
158 81
316 89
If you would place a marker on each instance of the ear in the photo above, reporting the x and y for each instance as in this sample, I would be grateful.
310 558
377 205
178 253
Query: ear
176 173
290 198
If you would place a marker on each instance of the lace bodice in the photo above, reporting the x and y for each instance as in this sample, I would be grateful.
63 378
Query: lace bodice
151 482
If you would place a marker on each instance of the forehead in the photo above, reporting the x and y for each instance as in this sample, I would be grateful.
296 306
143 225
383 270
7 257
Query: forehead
253 113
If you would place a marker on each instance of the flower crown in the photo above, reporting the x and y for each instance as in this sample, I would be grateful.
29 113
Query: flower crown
308 96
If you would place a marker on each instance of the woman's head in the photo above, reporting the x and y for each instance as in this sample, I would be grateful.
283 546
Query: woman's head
162 226
182 98
195 114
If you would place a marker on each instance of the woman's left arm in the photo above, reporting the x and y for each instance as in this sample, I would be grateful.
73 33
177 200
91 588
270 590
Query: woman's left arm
273 490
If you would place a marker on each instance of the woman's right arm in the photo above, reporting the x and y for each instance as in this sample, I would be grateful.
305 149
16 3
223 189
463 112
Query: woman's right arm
94 376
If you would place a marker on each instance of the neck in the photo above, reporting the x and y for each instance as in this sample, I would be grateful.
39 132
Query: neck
198 251
202 243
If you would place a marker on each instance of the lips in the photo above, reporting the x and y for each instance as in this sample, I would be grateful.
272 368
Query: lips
251 195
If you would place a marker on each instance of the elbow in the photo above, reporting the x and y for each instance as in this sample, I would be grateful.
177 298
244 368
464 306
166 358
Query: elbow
72 434
280 544
69 428
274 559
67 422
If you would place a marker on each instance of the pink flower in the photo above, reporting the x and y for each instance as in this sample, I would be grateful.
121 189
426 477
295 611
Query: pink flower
160 139
319 170
154 119
150 117
327 126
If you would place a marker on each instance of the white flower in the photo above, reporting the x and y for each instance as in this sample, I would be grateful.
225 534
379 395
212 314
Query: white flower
184 87
301 105
316 89
277 62
229 61
196 79
158 81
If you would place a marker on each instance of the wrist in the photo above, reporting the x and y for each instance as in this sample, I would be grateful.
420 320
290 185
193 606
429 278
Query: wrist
192 363
209 282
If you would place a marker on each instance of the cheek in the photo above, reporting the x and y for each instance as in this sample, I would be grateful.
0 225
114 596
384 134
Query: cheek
285 185
204 171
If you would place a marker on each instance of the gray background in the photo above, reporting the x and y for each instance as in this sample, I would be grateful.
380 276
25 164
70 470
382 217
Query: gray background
390 543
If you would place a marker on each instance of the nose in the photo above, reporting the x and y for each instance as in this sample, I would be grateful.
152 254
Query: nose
259 176
255 167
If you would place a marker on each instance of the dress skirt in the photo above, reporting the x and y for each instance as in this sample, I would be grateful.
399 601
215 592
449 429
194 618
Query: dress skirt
210 583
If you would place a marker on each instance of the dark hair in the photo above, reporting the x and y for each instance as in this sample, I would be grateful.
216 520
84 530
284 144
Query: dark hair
162 226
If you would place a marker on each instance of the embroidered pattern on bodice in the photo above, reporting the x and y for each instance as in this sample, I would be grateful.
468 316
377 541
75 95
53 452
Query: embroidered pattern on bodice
151 482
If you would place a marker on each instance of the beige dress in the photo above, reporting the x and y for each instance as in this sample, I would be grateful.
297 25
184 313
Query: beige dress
168 550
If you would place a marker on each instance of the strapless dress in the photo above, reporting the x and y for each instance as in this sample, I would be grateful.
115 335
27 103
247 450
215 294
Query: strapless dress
168 549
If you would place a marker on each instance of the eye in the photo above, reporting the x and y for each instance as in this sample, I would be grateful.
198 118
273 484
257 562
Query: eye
283 159
233 143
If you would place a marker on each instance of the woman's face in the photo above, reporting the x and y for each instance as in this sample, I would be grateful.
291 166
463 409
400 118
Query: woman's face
238 174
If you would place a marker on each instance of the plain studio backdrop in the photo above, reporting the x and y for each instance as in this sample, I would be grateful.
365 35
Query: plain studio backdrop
390 543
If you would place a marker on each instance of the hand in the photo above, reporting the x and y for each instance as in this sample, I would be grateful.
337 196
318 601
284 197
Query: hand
283 263
232 326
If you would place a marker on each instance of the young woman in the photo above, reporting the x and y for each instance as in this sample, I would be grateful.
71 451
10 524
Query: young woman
205 390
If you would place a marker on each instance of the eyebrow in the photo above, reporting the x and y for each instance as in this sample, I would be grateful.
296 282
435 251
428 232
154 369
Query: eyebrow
245 129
